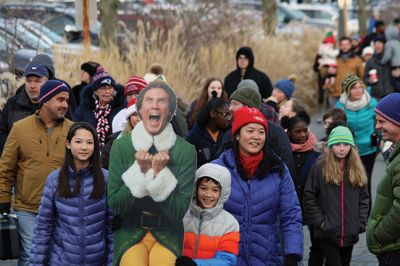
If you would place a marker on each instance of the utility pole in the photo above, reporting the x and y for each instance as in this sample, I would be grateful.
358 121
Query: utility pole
86 31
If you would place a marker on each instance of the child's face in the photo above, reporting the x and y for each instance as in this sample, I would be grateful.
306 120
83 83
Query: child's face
208 194
299 133
332 70
81 146
286 109
279 95
341 150
327 122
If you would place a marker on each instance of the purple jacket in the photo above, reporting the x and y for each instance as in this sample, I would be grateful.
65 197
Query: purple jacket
72 231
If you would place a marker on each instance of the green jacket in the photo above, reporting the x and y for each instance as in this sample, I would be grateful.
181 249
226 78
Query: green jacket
383 229
168 194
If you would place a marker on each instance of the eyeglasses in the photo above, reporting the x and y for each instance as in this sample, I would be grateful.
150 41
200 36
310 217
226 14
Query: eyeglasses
106 88
227 114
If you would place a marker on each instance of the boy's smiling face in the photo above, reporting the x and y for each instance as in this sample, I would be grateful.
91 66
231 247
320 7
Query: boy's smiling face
208 193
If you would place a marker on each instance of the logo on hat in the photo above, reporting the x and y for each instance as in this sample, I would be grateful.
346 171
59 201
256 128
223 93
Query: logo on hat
107 81
258 118
34 68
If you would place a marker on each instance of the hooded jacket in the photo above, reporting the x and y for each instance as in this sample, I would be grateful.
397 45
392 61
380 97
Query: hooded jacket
211 235
258 204
85 110
72 231
232 79
392 47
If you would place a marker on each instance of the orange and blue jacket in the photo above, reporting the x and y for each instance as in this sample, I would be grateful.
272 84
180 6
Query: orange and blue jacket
212 235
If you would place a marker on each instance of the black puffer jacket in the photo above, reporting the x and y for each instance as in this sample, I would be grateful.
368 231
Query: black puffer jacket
342 208
232 79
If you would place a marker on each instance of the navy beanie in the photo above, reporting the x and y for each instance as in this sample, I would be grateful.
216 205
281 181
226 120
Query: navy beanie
389 107
102 79
286 86
50 89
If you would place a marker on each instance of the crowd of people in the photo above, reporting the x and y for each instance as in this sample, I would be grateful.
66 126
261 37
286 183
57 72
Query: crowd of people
111 174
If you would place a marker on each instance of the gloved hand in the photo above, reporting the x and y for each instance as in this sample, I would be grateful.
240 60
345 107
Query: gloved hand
116 222
290 260
184 261
5 207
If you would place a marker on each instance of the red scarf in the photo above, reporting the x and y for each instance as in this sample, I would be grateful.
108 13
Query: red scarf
306 146
250 163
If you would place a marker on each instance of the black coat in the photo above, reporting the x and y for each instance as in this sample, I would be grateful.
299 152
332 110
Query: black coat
383 87
233 79
85 110
206 147
323 204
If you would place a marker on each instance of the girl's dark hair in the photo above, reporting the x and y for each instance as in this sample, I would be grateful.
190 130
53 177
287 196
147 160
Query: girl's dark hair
204 114
203 98
99 184
289 123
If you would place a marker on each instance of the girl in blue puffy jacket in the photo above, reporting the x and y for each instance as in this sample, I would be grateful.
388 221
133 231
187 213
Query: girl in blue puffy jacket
73 226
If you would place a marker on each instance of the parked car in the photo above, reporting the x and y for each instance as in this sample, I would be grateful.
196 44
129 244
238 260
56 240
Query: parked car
327 14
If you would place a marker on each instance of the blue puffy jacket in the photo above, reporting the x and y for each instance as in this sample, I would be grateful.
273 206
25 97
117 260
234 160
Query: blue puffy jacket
72 231
266 209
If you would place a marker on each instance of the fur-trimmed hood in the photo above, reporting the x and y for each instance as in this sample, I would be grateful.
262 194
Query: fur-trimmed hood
88 101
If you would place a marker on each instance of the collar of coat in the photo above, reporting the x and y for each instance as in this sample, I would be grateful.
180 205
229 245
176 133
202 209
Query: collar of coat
142 140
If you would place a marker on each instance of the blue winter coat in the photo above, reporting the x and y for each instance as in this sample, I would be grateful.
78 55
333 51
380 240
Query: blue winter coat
72 231
267 209
85 110
362 122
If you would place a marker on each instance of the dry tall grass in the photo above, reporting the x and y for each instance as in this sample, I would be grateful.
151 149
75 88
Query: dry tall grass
186 68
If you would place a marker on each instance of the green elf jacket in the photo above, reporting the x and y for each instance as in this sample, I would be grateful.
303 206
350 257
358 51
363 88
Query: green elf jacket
383 229
130 192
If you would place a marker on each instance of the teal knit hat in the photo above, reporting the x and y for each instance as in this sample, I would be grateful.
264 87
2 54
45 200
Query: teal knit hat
340 134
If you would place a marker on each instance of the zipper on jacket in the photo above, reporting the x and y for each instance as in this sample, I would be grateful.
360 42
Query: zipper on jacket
342 203
81 209
248 222
197 237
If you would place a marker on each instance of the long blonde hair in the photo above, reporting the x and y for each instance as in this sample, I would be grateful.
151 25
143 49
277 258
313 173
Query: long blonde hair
333 173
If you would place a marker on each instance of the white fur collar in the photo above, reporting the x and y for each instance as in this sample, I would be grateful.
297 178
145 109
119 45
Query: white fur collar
142 140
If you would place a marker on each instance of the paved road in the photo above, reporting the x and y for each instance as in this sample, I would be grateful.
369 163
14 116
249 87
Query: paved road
361 256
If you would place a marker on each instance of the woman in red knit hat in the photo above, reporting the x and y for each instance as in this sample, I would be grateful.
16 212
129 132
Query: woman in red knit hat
263 198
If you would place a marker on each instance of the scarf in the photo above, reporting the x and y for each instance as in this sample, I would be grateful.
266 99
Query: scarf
355 105
102 127
250 163
306 146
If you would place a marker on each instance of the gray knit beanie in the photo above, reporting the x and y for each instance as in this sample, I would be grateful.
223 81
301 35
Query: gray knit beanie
247 93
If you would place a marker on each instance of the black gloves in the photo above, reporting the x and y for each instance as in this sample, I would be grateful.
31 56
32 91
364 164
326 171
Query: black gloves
184 261
5 207
290 260
116 222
